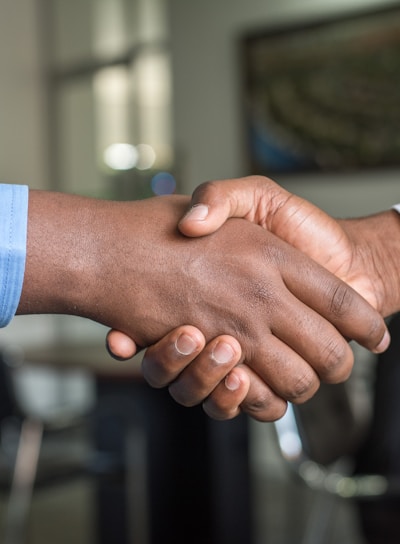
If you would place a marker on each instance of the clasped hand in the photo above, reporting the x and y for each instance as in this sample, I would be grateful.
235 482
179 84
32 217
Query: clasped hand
267 322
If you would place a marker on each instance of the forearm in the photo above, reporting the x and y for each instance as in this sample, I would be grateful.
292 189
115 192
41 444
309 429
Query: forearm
60 249
376 243
99 259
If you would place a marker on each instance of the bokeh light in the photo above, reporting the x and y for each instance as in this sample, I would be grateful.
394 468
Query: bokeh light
146 156
163 183
121 156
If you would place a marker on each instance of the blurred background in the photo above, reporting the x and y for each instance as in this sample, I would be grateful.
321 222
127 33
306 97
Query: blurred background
128 99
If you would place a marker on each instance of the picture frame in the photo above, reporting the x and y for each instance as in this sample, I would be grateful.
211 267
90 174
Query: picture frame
323 96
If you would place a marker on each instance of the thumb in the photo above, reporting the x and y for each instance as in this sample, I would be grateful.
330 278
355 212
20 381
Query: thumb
213 203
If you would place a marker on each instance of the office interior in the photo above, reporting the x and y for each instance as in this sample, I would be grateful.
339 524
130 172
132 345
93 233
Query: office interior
97 97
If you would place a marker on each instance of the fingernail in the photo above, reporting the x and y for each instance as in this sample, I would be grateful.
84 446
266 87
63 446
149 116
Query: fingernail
185 345
198 212
232 382
383 344
222 353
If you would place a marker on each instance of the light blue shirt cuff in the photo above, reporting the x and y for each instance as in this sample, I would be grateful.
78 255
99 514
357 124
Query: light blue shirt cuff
13 236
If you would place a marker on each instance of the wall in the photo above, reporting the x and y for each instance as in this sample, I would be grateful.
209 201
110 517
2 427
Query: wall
207 101
206 86
22 97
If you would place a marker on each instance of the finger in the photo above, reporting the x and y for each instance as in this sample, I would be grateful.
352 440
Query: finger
337 302
326 295
211 366
224 402
302 349
261 402
288 374
253 198
166 359
120 346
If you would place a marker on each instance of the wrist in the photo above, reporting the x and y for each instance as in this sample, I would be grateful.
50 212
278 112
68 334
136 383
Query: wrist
376 252
60 254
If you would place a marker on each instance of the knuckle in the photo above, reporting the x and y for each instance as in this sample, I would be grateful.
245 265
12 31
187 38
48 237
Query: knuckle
272 412
345 304
304 388
265 407
336 361
205 190
259 404
219 412
341 300
152 373
375 330
154 382
182 396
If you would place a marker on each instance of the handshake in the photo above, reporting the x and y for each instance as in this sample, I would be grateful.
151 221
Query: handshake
245 297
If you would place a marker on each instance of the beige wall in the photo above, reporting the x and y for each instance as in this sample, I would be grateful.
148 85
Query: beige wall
22 104
207 102
207 124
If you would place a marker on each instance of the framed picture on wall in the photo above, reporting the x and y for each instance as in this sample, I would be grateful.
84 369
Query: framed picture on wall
324 96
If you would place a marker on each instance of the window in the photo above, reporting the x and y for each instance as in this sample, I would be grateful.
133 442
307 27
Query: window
110 97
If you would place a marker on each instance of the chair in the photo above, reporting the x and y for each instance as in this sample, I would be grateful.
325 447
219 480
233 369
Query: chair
30 451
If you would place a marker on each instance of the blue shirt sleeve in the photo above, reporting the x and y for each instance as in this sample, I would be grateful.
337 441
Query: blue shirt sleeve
13 235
